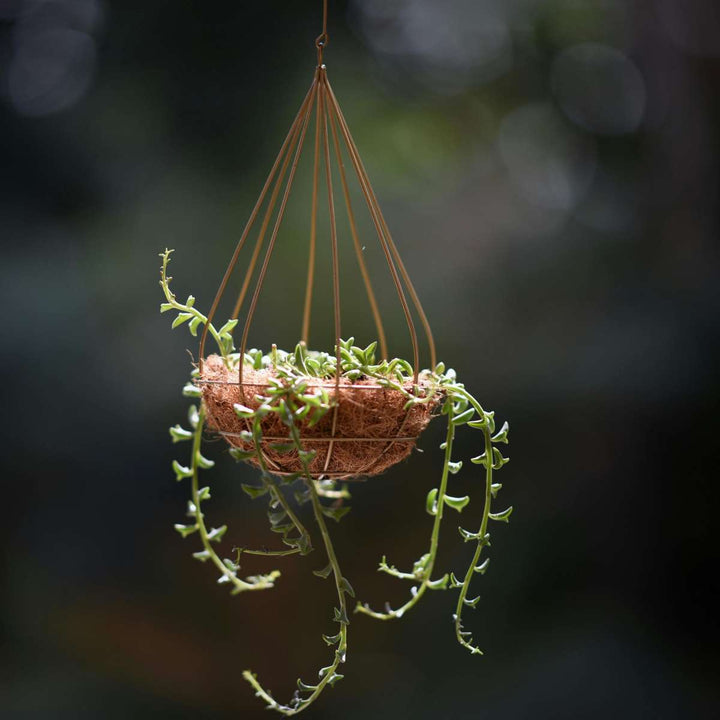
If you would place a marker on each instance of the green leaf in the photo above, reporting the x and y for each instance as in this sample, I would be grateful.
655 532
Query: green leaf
181 318
282 529
203 494
216 533
498 459
477 424
358 353
203 462
480 459
431 502
454 467
482 567
282 447
190 301
243 411
457 503
463 417
185 530
253 491
334 678
454 582
501 516
340 616
181 471
191 390
324 573
472 603
420 565
323 671
490 417
346 586
305 688
202 556
467 535
302 543
164 307
495 488
502 435
178 434
332 639
440 583
228 327
193 416
307 456
336 513
302 496
194 325
299 356
238 454
231 565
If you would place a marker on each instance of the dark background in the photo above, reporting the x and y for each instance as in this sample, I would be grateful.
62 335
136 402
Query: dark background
550 173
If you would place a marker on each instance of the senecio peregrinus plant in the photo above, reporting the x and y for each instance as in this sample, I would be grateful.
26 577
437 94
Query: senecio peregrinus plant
298 394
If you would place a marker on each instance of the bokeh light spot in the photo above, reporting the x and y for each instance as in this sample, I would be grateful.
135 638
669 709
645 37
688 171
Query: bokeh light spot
599 88
549 163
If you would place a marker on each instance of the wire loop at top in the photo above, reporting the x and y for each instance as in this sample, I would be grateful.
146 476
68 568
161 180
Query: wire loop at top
321 42
322 39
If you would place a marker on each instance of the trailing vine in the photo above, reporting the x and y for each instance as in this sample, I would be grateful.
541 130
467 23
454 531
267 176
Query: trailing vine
294 395
460 407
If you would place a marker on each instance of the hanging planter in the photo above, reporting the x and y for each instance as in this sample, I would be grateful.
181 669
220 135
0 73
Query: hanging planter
308 419
371 430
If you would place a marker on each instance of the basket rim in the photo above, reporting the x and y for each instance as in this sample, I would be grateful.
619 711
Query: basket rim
324 438
329 382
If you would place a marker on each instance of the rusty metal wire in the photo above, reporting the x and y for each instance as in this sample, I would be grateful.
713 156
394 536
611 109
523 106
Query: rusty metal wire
332 142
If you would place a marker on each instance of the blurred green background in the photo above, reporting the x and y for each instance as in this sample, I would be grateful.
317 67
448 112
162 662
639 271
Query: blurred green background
550 173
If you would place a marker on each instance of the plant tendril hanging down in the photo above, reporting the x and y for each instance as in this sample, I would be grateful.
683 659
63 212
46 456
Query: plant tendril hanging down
310 421
298 395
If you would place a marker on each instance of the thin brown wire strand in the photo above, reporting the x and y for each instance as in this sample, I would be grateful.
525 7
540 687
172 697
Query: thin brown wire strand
322 110
263 228
252 383
248 227
375 213
307 308
356 243
325 438
276 228
396 254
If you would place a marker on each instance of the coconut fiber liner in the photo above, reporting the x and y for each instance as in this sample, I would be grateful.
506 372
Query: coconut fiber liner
369 418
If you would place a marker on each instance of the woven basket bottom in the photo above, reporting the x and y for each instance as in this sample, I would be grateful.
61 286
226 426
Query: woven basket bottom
372 428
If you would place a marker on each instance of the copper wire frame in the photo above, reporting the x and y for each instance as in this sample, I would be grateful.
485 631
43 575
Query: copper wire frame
330 124
331 133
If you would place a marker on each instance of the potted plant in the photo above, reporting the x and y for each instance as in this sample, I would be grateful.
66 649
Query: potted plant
310 421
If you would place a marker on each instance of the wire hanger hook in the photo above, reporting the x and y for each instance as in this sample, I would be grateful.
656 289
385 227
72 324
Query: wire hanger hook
322 40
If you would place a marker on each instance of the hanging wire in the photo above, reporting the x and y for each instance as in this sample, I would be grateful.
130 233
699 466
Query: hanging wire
331 132
321 41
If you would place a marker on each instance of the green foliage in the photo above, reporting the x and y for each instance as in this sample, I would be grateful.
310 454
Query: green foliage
295 401
461 408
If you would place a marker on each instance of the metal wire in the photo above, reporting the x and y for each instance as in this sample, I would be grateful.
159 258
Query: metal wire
332 137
